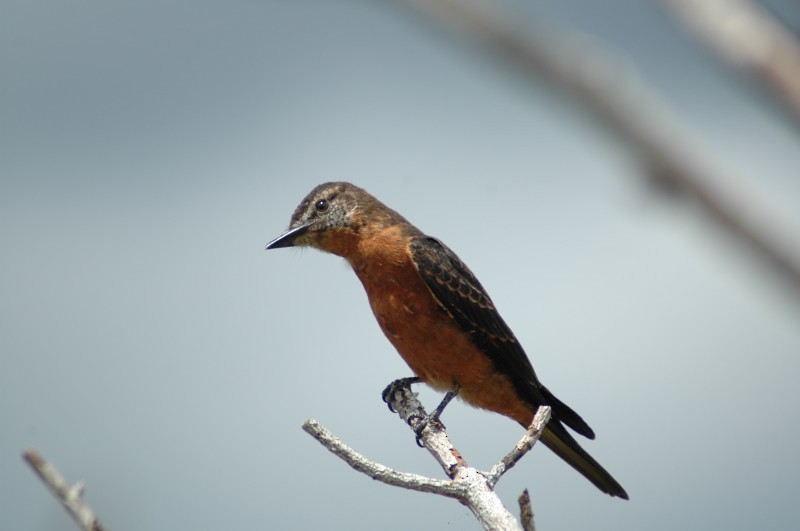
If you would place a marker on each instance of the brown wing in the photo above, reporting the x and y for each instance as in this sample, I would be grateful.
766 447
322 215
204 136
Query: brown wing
460 294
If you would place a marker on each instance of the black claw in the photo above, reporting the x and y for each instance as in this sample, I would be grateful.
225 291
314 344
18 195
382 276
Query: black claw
388 393
434 417
420 418
421 425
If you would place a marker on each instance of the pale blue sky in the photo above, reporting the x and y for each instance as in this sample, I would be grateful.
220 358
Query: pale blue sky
149 345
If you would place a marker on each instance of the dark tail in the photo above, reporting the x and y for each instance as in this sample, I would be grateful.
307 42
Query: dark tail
557 438
565 414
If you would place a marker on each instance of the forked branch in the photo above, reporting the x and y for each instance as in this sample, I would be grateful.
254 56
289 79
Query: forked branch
471 487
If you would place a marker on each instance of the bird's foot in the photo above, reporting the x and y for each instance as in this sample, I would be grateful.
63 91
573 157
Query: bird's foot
422 422
392 388
433 418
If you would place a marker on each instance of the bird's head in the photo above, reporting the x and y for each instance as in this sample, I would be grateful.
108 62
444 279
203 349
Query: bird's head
330 218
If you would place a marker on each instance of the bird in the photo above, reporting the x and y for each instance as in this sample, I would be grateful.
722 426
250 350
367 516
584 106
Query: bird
436 314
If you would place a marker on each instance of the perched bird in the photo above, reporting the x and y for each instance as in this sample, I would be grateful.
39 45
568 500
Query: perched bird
437 315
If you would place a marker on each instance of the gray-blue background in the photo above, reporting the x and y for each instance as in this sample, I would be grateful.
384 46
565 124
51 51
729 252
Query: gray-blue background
148 344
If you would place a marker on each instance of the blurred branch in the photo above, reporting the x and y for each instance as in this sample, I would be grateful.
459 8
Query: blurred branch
471 487
593 77
748 36
526 511
71 497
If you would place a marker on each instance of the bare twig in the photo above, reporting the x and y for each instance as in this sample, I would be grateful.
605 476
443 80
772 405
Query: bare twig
594 78
375 470
473 488
749 37
468 486
71 497
526 511
541 418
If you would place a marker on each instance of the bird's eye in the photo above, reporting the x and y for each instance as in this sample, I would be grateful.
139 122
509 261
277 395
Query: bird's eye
322 205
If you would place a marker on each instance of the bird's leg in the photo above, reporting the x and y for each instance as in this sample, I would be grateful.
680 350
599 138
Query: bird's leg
391 389
434 417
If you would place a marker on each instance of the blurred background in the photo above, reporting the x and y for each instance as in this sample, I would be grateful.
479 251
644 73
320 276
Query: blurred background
151 347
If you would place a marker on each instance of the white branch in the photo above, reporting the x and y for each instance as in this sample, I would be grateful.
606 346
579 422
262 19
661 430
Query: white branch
479 495
375 470
541 418
71 497
748 36
433 437
471 487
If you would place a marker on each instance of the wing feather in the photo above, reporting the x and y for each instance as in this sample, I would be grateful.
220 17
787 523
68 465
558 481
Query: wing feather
460 294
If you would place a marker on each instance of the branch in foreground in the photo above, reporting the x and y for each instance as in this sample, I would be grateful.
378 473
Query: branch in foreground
748 36
471 487
599 82
71 497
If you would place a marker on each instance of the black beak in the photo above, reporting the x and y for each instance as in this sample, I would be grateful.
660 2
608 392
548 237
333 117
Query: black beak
287 239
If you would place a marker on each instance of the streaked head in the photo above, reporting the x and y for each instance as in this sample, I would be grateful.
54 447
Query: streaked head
329 210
